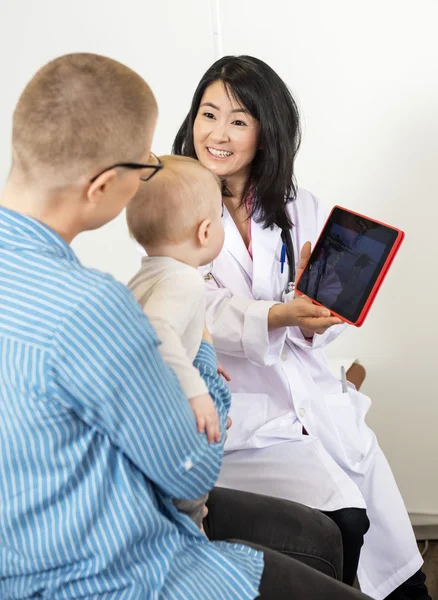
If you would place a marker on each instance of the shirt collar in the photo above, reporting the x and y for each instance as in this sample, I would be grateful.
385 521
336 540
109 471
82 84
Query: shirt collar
21 232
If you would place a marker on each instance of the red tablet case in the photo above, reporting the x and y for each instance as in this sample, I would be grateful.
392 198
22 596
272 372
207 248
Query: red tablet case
382 274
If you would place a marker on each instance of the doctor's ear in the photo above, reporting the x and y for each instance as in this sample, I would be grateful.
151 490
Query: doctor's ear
203 233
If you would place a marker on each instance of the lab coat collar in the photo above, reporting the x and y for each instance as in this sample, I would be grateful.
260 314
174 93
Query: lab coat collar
265 243
235 244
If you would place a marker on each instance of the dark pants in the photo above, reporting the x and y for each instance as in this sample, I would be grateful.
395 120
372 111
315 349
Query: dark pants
289 534
413 589
353 524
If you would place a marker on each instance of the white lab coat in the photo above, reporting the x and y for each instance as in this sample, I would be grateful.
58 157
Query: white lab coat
280 382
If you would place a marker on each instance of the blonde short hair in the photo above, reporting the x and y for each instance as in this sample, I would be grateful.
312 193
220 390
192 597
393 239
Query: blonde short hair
80 112
173 203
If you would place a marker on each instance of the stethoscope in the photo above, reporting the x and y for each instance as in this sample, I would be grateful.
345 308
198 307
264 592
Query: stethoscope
287 251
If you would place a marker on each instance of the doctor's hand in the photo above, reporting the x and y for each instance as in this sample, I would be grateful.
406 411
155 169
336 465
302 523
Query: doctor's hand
302 313
305 253
312 318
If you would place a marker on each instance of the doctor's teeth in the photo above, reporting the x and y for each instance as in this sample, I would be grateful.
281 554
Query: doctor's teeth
219 153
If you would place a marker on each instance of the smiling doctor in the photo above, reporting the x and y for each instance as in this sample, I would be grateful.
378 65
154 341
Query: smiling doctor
295 434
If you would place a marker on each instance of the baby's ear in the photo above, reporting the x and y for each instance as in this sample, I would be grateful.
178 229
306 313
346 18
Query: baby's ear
204 232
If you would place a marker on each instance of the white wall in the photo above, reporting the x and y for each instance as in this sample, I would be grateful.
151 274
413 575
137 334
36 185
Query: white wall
365 76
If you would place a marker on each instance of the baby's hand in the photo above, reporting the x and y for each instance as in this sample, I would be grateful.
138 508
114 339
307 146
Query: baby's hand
223 372
206 417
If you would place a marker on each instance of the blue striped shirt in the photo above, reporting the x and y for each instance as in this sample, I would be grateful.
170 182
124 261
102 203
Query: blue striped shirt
96 437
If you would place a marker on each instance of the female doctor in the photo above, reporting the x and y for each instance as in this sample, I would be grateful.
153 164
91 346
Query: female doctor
295 434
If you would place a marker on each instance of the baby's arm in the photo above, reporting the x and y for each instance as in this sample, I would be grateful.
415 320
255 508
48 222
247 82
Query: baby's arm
172 307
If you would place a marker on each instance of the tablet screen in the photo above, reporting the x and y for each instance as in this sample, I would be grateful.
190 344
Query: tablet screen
346 262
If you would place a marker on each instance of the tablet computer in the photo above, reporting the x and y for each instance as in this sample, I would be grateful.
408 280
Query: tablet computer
348 264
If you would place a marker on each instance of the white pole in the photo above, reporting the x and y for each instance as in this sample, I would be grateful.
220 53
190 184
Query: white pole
216 28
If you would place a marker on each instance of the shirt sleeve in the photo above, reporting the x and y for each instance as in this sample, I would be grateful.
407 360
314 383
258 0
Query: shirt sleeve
175 307
239 326
106 367
295 335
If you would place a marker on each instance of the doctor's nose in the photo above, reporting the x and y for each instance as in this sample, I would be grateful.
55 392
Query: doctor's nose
219 133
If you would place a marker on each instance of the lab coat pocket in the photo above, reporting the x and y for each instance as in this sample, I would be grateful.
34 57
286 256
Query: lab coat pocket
346 434
248 413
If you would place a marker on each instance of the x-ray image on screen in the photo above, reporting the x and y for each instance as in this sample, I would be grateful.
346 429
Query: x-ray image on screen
345 264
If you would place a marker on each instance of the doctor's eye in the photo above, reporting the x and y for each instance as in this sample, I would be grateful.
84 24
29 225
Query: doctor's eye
239 123
208 115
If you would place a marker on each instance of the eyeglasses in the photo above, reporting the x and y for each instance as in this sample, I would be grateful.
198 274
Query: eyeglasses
157 166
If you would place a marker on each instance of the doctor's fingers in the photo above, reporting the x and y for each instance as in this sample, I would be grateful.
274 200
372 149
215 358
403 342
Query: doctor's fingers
303 307
320 324
305 253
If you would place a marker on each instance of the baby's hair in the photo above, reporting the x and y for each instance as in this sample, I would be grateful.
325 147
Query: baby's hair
169 206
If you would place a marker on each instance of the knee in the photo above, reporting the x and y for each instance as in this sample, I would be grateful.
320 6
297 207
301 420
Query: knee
314 539
353 522
305 534
315 531
326 540
327 535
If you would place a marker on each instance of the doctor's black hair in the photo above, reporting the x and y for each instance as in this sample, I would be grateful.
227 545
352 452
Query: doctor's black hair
265 95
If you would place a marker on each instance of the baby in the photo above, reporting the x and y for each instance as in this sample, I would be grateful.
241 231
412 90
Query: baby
177 218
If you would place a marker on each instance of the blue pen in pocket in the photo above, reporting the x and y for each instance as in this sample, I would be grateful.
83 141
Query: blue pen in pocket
282 258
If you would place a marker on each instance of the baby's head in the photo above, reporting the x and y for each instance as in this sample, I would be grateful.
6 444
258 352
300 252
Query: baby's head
179 212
